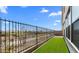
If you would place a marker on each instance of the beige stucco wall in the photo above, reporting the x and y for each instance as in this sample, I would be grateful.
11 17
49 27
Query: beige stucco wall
64 12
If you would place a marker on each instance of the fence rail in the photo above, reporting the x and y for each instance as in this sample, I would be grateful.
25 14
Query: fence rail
16 36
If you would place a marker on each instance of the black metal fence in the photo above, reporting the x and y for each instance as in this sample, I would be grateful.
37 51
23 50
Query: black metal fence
16 37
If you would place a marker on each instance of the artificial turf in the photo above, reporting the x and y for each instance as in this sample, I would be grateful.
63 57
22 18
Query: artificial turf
53 45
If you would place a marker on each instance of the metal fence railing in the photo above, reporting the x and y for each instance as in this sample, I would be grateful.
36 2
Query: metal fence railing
16 37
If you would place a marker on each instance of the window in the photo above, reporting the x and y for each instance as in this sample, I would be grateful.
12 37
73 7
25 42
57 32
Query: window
76 33
75 13
68 23
68 32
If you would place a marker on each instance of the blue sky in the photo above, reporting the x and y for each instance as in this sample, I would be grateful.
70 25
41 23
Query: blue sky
43 16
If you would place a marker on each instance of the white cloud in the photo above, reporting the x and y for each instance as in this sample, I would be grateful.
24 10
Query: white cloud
58 21
60 13
3 9
55 24
55 13
44 10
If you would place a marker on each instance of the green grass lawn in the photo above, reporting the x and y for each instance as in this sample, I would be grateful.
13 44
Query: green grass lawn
53 45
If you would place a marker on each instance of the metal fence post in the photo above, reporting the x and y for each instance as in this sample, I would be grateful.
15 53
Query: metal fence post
37 36
17 36
5 36
9 36
0 37
46 34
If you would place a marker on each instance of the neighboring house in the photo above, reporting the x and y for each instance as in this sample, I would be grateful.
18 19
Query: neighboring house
70 27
